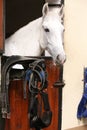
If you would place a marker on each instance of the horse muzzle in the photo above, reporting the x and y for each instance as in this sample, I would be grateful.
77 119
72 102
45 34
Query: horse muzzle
60 59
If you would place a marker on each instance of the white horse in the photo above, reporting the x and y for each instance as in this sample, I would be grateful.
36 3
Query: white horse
45 33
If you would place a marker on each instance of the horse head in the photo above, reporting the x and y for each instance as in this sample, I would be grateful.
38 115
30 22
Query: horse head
52 33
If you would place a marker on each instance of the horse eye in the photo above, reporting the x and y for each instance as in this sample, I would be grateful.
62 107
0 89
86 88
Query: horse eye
47 30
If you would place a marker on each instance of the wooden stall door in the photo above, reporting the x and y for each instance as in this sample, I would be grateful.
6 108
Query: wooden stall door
1 27
19 106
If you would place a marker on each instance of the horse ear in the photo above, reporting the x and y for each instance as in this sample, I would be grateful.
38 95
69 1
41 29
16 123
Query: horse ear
61 13
45 9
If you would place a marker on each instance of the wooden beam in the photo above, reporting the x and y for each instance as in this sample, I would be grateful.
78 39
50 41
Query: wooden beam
1 26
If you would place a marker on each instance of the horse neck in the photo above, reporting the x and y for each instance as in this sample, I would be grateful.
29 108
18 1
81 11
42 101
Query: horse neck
38 31
36 27
31 32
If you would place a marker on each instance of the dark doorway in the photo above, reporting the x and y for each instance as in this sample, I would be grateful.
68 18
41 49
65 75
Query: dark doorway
20 12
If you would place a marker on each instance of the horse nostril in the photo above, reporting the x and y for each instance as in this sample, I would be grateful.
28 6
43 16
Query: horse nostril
60 59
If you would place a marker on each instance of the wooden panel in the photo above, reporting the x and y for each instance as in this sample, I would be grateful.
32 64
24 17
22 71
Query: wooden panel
1 26
53 74
19 107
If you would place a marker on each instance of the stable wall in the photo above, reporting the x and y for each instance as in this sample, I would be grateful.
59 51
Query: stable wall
75 22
